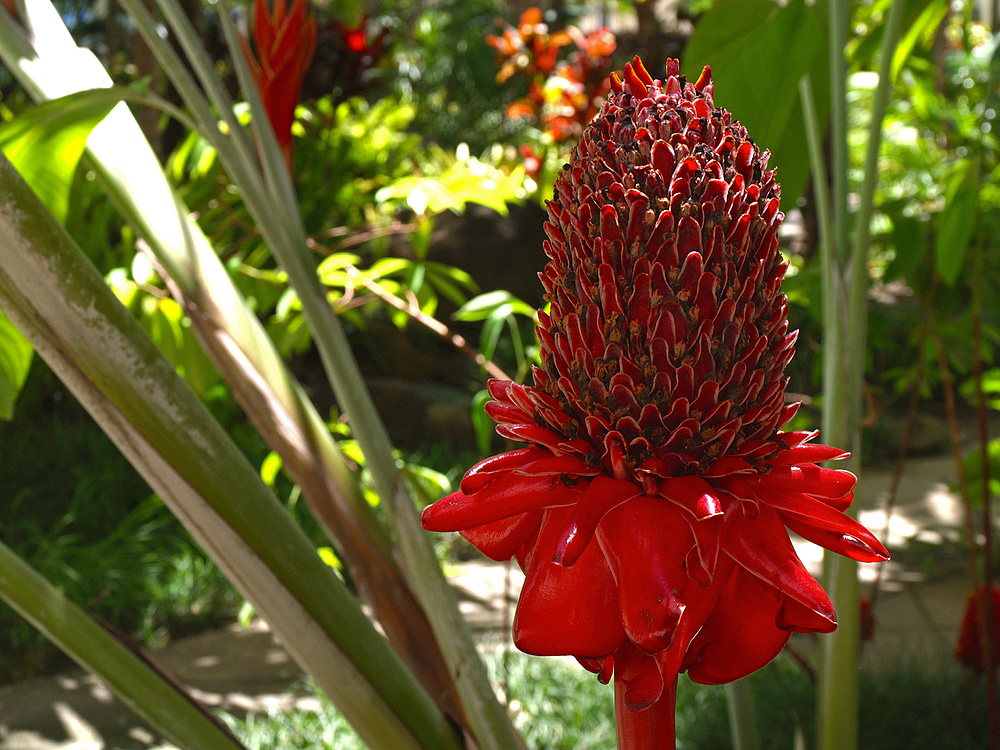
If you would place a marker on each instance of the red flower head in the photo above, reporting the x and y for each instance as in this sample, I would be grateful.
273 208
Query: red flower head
649 510
970 644
285 46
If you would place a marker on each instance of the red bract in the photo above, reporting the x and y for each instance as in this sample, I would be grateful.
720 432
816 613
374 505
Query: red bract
285 44
970 643
649 510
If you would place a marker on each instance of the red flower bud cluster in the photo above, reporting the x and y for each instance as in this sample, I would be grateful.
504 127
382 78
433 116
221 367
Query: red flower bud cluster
970 636
649 509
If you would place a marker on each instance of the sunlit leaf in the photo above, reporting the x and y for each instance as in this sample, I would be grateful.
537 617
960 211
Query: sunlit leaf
496 304
15 360
45 142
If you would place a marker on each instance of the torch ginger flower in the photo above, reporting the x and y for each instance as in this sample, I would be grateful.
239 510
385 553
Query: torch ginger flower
649 510
286 42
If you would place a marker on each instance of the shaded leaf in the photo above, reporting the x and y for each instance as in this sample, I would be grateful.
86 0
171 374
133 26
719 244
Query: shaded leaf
956 221
758 51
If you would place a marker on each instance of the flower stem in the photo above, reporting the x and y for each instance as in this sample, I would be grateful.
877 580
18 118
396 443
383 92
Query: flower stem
742 720
845 323
651 729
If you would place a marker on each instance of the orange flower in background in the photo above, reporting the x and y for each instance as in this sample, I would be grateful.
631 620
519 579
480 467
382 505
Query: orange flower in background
529 49
649 510
563 95
970 644
285 44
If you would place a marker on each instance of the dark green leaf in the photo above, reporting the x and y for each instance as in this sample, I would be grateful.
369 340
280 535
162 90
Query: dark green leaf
956 221
909 237
758 51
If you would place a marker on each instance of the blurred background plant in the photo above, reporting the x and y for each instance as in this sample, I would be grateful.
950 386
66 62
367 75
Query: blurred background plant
426 141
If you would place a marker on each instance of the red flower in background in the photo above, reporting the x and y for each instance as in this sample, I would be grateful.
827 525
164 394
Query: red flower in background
970 644
285 43
649 510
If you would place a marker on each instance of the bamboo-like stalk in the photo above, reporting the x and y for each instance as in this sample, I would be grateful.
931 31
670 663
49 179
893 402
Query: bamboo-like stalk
845 287
742 715
987 613
60 302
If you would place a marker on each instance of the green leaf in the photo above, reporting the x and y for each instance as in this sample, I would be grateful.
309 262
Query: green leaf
496 304
922 29
758 51
481 422
957 220
15 359
45 143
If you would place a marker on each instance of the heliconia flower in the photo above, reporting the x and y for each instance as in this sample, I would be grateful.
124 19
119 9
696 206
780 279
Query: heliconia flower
285 42
970 644
649 509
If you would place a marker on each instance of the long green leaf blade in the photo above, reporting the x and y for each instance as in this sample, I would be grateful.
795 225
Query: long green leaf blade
95 649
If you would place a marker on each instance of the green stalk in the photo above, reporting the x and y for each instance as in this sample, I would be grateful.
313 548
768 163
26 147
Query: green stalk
742 717
845 320
60 302
131 678
488 720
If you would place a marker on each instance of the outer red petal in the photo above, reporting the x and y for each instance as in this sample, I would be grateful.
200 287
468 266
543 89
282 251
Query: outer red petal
488 469
638 676
827 484
602 494
826 526
763 548
508 495
499 540
740 636
646 542
566 611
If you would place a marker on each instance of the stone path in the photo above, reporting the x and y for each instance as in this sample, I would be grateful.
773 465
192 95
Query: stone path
918 612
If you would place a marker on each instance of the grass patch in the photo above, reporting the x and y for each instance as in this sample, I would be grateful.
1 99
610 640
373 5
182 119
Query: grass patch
557 705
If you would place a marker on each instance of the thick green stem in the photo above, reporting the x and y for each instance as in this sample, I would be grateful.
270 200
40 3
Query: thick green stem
845 324
742 716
